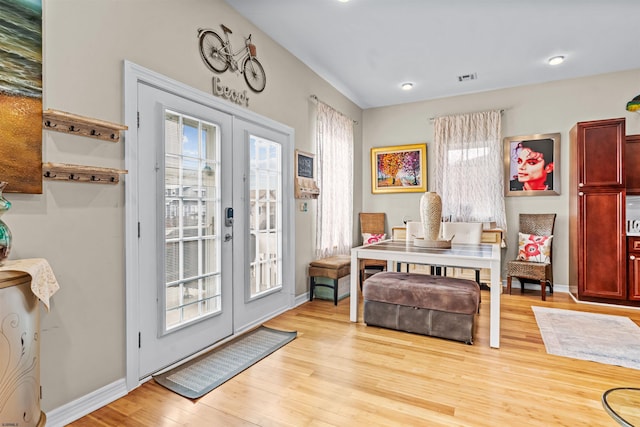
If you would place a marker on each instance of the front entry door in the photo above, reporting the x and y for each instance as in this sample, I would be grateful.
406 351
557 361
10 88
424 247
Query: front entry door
185 244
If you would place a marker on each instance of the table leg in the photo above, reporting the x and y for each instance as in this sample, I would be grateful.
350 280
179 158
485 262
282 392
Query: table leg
494 320
353 298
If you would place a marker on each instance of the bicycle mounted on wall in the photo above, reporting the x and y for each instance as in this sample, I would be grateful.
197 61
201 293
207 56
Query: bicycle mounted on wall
219 56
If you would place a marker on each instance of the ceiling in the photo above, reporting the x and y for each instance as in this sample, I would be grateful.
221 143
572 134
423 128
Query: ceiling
367 48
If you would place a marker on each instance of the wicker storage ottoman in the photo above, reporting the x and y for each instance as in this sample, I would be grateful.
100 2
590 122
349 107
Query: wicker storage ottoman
429 305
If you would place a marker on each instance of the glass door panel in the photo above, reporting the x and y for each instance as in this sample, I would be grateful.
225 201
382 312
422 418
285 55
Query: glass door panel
192 246
265 216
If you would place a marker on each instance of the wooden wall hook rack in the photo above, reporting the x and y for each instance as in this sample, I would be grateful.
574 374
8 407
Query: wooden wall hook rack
80 173
61 121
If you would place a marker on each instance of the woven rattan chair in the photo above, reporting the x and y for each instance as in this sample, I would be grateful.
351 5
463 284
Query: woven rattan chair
527 271
372 223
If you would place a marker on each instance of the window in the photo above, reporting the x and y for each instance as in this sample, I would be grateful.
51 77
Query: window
468 167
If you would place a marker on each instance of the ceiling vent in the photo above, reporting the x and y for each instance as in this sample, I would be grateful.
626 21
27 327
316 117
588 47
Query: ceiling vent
467 77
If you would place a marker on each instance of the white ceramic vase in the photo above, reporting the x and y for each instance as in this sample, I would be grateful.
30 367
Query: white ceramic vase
431 214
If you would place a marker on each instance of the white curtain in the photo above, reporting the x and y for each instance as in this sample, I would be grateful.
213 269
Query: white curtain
334 139
469 167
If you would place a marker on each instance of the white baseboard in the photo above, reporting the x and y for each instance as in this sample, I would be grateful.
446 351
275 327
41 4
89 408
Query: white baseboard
557 287
561 288
301 299
78 408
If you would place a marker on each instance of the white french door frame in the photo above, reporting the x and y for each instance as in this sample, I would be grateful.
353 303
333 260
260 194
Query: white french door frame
133 75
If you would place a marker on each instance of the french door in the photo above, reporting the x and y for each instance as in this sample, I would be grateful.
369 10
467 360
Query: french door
210 226
261 291
185 288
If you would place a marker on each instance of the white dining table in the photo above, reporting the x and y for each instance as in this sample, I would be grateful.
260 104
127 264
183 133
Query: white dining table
481 255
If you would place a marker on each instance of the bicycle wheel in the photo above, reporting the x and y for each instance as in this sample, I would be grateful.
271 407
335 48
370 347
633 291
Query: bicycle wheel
212 51
254 74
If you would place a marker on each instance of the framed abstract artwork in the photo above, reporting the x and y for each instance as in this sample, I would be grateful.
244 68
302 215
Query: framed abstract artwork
531 165
399 169
21 96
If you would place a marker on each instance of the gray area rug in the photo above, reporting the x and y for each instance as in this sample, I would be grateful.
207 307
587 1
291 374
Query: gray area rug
604 338
199 376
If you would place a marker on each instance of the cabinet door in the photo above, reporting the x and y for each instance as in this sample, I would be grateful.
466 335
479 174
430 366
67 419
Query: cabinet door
600 150
634 276
632 164
602 245
633 270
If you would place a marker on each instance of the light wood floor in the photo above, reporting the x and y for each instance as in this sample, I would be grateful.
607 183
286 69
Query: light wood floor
337 373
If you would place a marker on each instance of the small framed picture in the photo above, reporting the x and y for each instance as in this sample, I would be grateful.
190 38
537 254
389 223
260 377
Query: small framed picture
531 165
399 169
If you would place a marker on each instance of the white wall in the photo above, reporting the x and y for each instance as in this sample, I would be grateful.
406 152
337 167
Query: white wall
543 108
79 228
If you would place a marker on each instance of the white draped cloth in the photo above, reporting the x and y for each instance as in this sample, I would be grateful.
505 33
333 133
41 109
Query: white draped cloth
43 281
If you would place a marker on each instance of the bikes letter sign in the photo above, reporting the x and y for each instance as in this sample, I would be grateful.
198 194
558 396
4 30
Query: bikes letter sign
219 56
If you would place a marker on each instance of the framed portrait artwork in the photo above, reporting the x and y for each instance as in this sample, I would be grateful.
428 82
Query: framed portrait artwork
532 165
399 169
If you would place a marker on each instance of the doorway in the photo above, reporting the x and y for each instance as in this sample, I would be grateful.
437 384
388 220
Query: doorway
209 221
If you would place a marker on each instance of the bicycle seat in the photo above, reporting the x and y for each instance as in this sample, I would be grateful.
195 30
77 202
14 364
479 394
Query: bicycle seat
226 29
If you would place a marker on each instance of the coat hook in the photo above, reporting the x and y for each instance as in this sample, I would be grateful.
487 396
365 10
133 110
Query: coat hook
47 174
48 124
93 178
95 133
72 128
73 177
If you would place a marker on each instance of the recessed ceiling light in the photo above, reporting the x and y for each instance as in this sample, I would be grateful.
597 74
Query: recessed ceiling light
555 60
343 1
407 86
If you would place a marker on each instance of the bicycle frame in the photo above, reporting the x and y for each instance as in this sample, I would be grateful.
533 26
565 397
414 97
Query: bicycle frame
230 55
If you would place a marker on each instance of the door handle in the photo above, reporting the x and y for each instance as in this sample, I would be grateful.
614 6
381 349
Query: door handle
227 237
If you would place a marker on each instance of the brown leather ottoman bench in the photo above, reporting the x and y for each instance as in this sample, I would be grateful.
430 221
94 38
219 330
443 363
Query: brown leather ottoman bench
334 267
429 305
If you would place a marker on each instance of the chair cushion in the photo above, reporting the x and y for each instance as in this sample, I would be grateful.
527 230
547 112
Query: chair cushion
369 238
534 248
334 262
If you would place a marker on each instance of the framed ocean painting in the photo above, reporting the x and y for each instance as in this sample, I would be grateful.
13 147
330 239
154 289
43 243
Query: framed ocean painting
21 95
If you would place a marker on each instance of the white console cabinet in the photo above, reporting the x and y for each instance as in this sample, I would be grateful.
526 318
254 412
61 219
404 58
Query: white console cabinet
19 352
